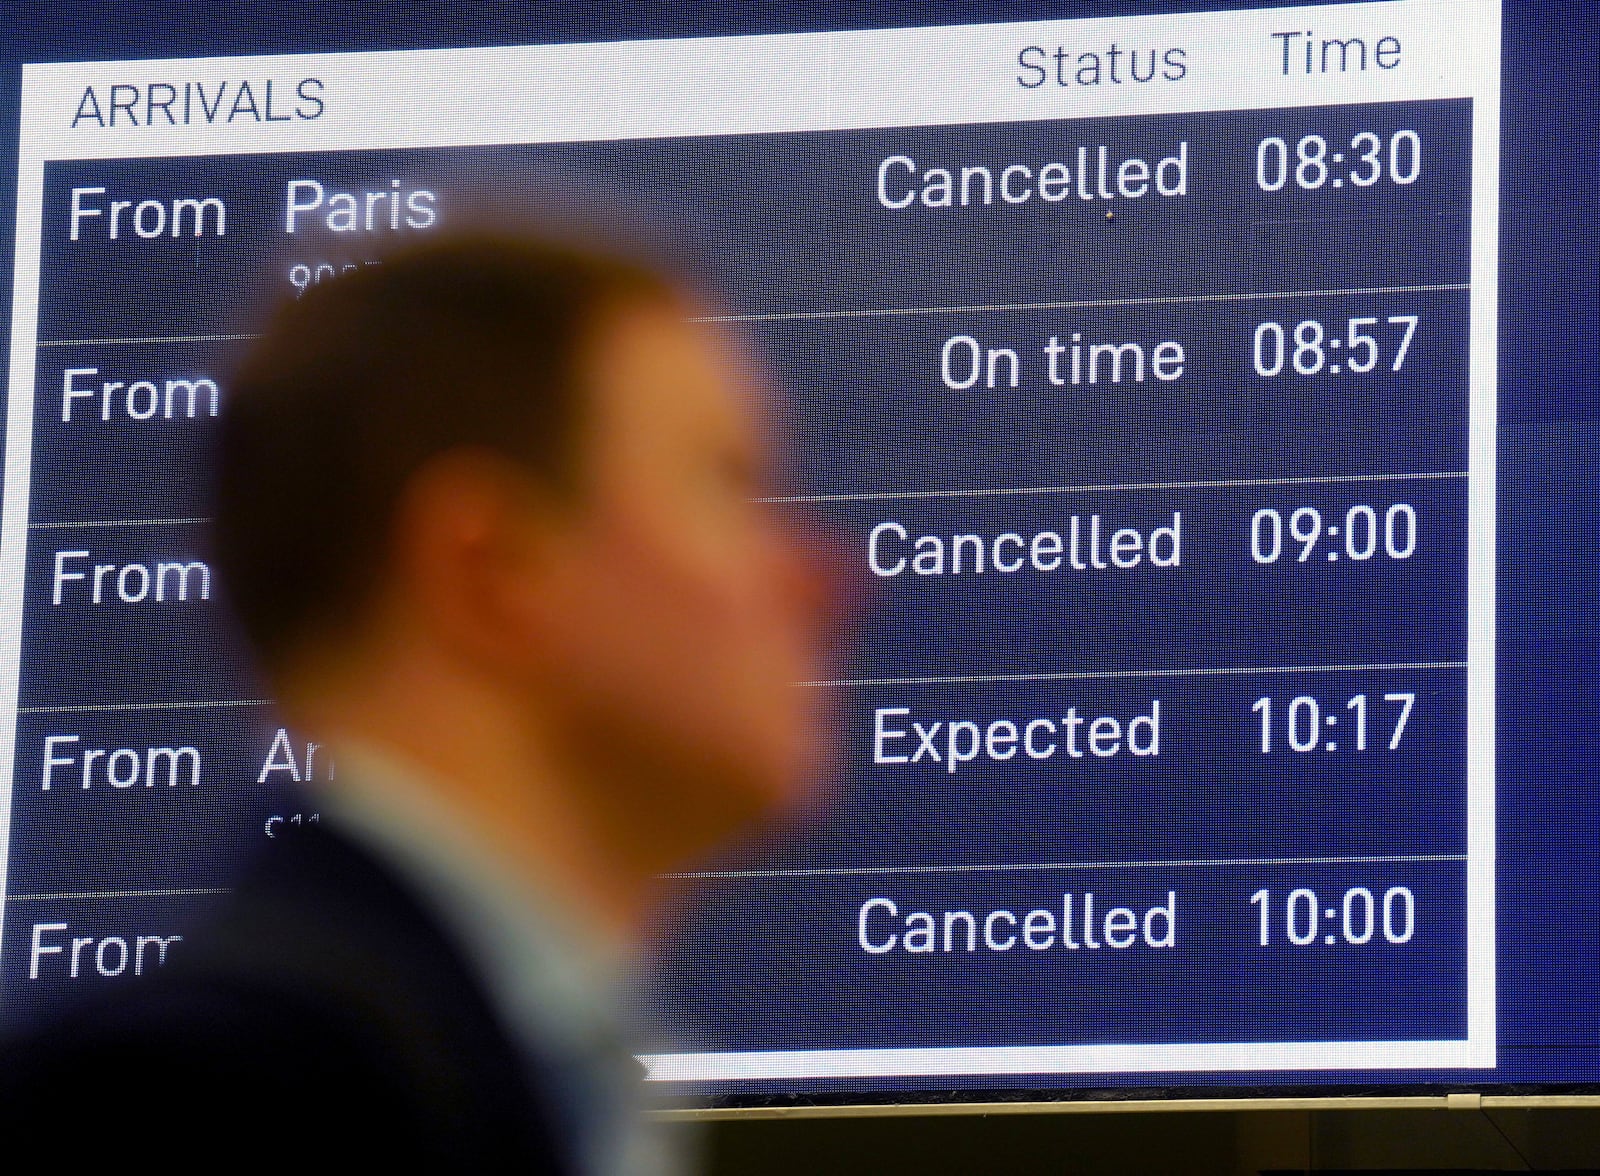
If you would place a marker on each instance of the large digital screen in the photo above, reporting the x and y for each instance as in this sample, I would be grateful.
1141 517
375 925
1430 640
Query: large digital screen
1196 394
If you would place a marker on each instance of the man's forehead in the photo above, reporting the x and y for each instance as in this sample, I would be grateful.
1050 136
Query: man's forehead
672 367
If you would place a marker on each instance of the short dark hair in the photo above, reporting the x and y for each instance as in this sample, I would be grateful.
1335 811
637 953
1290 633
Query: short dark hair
470 340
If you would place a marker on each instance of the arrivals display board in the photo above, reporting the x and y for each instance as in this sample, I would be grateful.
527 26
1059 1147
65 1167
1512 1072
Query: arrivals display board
1150 367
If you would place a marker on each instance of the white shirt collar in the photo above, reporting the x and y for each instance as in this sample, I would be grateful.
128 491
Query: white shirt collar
559 987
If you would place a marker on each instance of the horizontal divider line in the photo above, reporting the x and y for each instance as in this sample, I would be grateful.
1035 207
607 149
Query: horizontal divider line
1218 483
1078 304
116 523
1076 675
127 706
1356 859
144 339
849 871
1070 675
894 311
1204 484
68 894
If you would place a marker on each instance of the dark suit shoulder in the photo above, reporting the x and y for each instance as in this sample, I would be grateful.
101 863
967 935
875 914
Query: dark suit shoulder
325 999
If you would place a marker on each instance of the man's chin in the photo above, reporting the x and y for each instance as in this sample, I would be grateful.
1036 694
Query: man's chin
737 803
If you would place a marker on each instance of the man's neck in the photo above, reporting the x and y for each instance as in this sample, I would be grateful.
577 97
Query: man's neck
495 768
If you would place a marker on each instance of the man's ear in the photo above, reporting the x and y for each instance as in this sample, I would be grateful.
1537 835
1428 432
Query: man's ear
475 538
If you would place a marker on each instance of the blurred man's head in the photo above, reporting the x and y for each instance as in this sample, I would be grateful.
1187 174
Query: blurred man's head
519 474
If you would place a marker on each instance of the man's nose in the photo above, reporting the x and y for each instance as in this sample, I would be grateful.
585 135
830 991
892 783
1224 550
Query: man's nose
825 586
